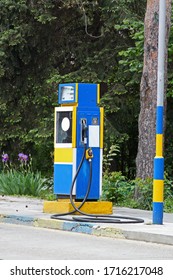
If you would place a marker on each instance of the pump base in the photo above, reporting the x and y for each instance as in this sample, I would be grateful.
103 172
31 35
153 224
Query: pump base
89 207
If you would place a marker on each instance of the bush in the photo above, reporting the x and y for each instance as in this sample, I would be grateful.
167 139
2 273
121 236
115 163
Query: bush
116 188
137 193
15 182
143 194
168 205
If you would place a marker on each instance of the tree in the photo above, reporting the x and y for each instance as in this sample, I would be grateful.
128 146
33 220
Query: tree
148 88
25 99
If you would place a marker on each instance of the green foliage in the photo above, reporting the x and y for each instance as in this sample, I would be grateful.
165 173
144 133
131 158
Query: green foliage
15 182
115 187
136 193
168 205
132 57
19 178
121 102
108 156
143 193
25 98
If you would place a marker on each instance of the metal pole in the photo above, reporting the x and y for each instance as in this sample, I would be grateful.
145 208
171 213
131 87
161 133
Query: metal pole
158 180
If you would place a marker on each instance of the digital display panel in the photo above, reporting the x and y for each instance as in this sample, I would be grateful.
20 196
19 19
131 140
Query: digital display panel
67 94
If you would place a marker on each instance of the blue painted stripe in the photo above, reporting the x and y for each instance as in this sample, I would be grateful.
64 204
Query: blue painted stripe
14 219
78 227
158 213
159 120
158 168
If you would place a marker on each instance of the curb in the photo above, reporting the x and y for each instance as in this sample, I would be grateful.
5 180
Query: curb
78 227
87 228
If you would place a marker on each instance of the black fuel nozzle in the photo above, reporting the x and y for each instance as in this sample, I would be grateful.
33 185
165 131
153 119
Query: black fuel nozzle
84 131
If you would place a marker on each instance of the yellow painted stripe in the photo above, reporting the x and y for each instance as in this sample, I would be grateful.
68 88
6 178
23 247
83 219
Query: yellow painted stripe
63 155
159 145
74 128
158 187
98 93
101 127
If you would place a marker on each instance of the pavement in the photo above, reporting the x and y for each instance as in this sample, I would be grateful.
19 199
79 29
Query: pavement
29 211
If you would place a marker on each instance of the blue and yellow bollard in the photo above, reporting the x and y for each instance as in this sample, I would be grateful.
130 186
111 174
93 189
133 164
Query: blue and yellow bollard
158 182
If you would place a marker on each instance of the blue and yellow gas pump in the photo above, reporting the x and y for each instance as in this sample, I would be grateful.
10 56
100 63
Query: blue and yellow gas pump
78 126
78 152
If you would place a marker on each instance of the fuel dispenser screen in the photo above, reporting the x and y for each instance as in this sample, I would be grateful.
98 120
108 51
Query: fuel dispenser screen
63 127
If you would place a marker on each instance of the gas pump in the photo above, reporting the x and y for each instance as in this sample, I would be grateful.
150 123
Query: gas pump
78 130
78 152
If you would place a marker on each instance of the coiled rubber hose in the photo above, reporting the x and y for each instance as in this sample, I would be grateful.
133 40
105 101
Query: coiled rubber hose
91 218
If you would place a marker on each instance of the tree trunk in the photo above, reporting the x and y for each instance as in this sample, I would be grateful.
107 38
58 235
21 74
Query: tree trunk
148 89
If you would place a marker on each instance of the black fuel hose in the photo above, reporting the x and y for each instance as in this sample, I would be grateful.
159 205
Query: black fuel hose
91 218
60 216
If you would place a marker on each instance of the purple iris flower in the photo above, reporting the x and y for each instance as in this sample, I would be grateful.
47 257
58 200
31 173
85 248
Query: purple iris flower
25 158
5 158
22 157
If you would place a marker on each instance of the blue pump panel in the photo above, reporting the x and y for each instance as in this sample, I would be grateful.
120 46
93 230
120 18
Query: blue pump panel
83 177
62 184
92 118
87 96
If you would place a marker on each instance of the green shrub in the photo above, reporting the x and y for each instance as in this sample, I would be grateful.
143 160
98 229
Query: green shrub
137 193
168 205
168 195
15 182
143 193
116 188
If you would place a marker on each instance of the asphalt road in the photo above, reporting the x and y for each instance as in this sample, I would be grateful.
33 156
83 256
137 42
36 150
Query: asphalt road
29 243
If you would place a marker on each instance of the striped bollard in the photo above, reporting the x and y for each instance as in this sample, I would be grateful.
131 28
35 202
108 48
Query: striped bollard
158 182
